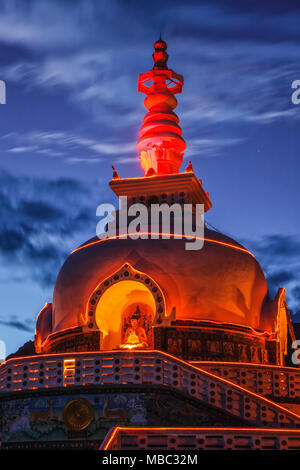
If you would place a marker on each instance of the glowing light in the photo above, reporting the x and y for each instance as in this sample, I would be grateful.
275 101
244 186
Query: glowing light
160 144
69 371
38 341
118 300
49 356
228 324
164 356
161 234
202 430
131 346
45 306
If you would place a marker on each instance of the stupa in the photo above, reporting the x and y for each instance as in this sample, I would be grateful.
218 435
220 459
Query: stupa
145 336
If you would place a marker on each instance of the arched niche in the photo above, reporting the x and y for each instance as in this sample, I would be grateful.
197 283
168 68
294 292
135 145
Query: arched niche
124 307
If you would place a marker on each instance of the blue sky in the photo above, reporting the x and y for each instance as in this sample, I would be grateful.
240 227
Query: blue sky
73 110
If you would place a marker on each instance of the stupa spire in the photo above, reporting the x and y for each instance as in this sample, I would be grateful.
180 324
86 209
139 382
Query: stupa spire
160 56
160 144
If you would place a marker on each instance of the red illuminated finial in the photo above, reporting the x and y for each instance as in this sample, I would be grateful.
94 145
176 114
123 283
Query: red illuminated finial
115 173
160 144
189 168
160 56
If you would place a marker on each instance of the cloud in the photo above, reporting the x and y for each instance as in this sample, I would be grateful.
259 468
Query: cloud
279 256
238 59
50 152
296 292
61 144
41 221
274 115
73 160
277 246
209 147
40 24
23 149
239 63
15 322
114 148
40 210
125 160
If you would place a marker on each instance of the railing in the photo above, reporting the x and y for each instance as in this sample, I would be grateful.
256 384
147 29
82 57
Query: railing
122 438
142 367
269 381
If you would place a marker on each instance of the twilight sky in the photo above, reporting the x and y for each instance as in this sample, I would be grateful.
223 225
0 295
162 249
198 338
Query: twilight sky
71 70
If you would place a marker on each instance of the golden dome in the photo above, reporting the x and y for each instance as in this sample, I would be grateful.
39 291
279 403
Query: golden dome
221 282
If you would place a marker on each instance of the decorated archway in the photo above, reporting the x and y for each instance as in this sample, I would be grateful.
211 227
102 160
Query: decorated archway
124 307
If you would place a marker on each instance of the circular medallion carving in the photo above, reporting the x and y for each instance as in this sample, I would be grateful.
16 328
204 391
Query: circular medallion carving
78 414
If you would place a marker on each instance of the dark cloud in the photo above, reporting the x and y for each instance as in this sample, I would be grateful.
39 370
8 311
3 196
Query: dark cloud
39 210
279 256
15 322
281 278
296 293
11 240
295 316
275 7
279 245
233 52
41 221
